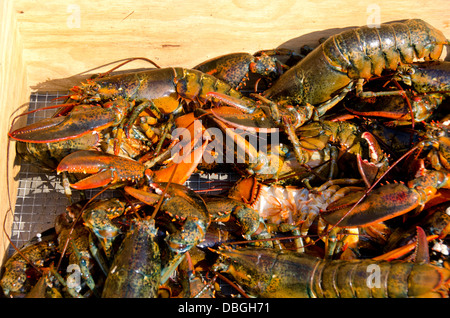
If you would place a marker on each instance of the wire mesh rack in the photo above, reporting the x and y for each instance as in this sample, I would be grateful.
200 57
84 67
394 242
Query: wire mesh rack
41 197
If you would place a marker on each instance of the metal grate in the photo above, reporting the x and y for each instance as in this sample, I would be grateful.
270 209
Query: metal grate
40 196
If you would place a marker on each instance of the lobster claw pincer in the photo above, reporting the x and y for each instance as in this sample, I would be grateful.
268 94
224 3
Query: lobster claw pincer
386 202
110 169
82 120
183 205
106 169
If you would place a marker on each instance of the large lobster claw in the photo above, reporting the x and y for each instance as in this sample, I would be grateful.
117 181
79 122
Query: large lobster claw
111 169
184 205
106 168
385 202
82 120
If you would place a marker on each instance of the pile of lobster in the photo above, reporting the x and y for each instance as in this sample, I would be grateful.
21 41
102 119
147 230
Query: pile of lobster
344 152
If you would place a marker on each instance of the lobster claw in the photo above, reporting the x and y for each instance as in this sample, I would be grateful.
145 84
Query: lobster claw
381 204
377 164
182 204
110 169
385 202
82 120
106 168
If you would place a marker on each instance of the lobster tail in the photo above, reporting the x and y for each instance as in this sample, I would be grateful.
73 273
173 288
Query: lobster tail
428 41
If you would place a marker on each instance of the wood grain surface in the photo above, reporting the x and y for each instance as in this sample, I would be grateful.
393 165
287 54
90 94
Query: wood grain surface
61 39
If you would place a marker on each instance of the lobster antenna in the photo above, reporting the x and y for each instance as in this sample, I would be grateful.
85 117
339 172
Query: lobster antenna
126 62
9 211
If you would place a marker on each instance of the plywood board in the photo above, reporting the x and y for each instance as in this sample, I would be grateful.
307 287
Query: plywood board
14 92
62 39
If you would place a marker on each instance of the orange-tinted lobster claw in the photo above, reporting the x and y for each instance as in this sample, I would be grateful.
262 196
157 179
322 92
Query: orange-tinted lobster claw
111 169
82 120
386 202
106 169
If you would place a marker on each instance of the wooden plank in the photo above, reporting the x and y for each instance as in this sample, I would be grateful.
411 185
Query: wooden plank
61 40
14 92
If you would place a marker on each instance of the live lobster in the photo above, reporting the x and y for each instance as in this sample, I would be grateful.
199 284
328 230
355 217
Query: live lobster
283 273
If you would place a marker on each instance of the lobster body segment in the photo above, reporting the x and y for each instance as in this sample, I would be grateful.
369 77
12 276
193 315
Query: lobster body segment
356 54
136 270
283 273
143 132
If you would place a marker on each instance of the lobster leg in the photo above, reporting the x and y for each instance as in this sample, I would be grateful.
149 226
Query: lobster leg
187 163
238 149
287 117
